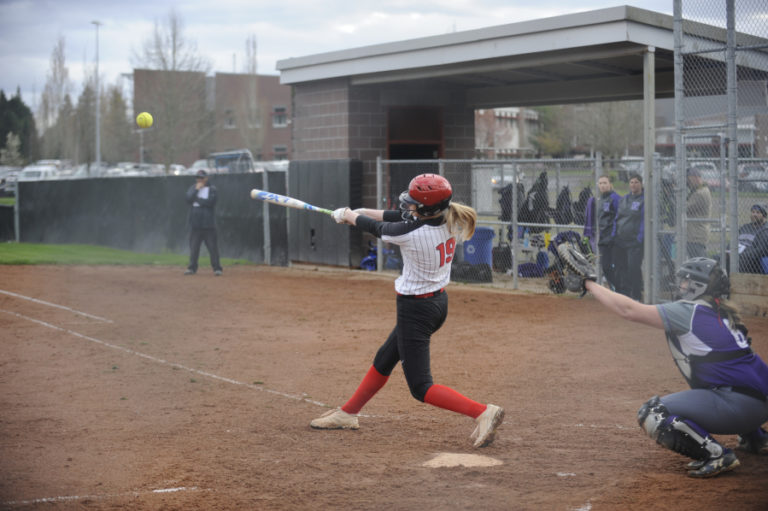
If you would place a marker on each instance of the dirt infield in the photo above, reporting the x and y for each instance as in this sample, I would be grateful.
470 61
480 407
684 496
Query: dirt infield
140 388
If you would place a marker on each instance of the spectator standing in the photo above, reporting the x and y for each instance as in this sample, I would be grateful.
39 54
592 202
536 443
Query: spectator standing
698 206
628 242
753 241
202 223
603 219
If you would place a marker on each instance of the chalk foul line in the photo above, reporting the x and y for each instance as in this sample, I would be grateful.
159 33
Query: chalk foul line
70 498
165 362
56 305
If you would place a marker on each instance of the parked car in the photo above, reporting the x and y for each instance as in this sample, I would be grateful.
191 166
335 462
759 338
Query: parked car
84 171
198 165
759 180
710 174
38 173
630 165
8 177
240 160
59 164
753 177
177 169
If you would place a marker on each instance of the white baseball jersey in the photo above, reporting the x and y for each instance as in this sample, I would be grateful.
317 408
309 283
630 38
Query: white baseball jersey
427 248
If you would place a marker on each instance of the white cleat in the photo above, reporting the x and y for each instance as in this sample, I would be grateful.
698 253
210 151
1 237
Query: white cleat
487 423
335 419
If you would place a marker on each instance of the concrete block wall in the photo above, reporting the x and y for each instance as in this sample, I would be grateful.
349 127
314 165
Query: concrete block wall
333 120
321 120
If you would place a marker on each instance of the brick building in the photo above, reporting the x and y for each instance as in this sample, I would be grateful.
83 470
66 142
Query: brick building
196 115
252 112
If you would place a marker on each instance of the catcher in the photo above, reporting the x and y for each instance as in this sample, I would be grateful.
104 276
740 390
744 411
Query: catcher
709 344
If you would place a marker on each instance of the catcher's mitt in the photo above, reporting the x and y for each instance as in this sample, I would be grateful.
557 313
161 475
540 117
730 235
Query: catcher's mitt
579 268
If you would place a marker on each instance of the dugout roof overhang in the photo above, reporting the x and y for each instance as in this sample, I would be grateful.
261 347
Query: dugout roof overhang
575 58
589 56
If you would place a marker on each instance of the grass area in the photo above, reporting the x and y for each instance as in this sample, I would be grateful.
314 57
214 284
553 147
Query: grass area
7 201
35 253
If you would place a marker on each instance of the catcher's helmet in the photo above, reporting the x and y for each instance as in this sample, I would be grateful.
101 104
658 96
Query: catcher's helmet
431 193
705 277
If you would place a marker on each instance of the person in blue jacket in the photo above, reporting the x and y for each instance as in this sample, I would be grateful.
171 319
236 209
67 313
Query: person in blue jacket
628 242
728 380
602 221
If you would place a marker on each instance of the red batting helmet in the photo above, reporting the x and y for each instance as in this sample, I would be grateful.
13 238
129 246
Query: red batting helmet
431 193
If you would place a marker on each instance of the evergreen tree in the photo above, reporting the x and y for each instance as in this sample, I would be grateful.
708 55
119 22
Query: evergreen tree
85 113
16 117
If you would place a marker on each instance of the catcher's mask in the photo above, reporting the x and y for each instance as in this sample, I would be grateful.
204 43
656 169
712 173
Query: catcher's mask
699 276
430 193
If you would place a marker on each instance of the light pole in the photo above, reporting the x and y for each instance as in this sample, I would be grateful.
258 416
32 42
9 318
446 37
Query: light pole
98 101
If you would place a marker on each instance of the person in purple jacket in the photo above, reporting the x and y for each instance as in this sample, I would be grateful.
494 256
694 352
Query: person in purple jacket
602 221
728 381
628 241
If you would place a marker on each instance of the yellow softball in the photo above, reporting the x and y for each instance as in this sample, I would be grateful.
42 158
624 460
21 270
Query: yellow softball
144 120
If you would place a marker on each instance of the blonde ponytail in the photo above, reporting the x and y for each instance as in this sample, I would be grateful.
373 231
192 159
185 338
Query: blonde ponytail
461 220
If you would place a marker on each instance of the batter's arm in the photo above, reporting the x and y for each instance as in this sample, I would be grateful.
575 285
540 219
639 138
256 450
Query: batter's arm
376 214
624 306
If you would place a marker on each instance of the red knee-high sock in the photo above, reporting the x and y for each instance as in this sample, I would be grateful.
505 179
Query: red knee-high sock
372 382
447 398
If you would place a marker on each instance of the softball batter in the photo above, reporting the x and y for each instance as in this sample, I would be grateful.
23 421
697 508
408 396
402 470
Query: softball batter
709 343
427 229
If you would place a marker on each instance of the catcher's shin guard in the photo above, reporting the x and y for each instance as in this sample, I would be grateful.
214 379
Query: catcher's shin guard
675 433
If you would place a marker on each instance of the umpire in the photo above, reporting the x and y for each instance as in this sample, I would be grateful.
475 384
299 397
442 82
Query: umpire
202 223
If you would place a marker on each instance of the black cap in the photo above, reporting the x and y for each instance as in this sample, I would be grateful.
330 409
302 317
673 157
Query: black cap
694 172
759 208
202 173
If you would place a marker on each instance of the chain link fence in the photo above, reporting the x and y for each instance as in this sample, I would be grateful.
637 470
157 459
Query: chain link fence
525 208
709 199
721 135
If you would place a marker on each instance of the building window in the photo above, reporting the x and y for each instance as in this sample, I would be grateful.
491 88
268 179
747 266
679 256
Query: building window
280 152
229 119
279 117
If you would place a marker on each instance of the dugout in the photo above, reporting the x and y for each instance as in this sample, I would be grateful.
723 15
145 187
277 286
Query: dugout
416 99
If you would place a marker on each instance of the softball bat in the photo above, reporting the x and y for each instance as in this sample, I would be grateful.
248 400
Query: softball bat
288 202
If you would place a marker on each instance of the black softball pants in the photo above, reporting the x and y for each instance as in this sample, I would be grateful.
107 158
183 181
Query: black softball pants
196 238
628 270
417 320
607 264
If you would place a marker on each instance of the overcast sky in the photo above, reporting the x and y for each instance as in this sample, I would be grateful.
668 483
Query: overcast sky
30 29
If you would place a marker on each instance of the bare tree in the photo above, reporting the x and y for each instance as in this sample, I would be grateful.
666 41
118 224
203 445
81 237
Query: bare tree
611 127
11 154
84 144
555 135
174 92
251 56
57 88
251 117
118 143
485 129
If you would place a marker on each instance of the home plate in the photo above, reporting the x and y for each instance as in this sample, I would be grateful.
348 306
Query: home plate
448 459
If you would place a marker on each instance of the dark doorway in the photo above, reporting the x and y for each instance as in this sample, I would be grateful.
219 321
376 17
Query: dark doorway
413 133
414 151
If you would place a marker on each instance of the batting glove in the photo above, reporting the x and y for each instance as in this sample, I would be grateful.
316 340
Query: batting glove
338 215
